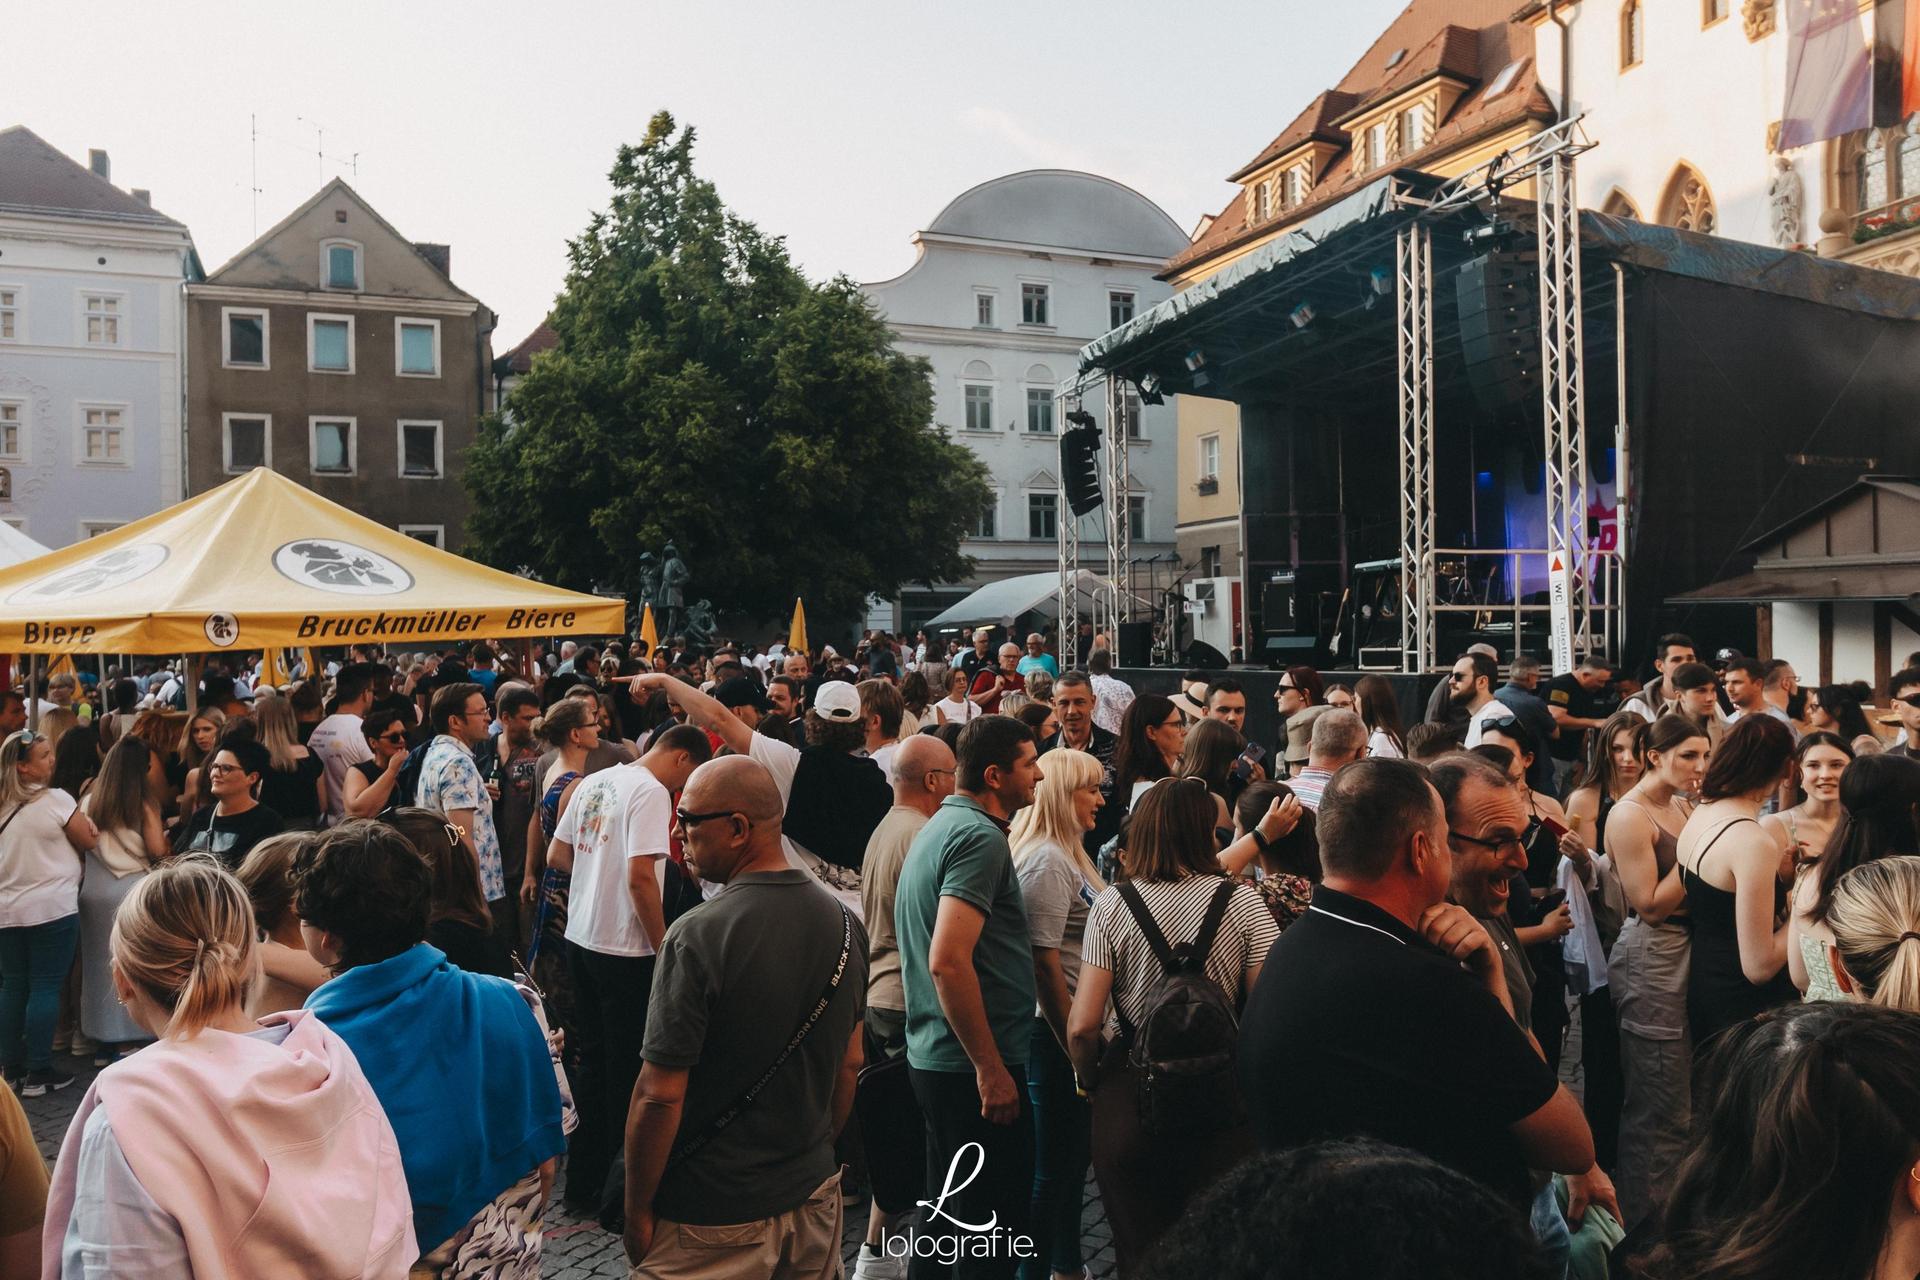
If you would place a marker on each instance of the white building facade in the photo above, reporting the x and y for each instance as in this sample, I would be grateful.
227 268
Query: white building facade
1011 280
1685 98
91 324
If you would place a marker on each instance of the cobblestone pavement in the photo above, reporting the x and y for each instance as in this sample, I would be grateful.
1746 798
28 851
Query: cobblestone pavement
576 1249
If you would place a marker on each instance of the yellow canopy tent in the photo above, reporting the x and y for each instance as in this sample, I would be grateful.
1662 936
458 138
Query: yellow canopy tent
262 563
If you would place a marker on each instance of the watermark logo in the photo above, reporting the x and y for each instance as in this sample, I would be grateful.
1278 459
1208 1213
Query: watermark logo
965 1239
93 575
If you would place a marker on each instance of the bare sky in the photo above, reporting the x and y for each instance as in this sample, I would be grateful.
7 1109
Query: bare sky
490 126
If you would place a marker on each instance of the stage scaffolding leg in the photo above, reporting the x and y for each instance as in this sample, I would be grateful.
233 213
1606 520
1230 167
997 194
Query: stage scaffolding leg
1562 363
1622 473
1067 527
1118 540
1413 258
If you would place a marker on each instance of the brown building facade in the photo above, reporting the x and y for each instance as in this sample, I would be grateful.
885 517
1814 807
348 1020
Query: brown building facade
341 354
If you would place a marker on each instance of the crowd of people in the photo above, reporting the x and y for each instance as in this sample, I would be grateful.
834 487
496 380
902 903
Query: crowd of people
1571 977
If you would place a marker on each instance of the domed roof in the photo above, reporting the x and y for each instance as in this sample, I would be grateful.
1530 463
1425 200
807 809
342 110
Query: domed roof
1064 208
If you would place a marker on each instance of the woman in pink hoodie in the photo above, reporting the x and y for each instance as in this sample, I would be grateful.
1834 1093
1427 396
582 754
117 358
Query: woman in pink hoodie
231 1148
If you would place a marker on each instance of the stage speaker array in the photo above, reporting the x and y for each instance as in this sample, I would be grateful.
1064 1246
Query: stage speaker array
1496 298
1079 468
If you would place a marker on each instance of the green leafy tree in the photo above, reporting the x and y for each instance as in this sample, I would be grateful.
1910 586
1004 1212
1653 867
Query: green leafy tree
703 391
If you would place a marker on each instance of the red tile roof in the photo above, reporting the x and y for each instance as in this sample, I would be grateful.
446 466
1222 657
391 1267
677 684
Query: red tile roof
1470 40
520 359
38 177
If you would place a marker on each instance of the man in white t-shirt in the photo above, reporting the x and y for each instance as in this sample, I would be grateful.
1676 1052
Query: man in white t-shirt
612 839
845 796
1470 686
338 740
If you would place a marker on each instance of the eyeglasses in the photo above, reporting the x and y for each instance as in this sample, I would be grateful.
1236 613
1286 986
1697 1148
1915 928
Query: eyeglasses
1519 842
224 768
1286 688
688 821
1178 719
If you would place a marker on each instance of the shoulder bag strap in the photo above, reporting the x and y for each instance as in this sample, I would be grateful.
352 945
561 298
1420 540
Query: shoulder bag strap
794 1041
1210 926
1149 927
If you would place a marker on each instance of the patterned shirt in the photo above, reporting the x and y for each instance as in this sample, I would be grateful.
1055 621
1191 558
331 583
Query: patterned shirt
1111 698
450 780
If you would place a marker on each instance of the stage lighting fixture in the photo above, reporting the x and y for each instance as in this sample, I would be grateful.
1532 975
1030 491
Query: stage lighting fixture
1195 359
1080 418
1302 315
1149 384
1382 280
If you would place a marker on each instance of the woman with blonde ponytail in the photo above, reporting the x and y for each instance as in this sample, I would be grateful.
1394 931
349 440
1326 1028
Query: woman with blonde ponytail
229 1147
1875 917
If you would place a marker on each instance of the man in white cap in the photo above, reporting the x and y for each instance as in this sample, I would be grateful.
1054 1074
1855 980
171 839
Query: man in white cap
834 797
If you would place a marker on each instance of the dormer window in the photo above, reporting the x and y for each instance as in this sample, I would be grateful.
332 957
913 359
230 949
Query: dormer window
1263 204
1297 185
1413 128
1379 144
340 265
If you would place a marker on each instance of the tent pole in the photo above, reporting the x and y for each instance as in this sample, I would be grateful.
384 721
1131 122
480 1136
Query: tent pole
190 676
33 691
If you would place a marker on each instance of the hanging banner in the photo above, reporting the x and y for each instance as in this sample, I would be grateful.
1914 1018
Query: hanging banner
1561 615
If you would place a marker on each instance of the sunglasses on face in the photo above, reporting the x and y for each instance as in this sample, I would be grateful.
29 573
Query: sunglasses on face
1912 700
688 821
397 739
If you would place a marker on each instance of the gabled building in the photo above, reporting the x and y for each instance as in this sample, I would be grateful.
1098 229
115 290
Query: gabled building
90 345
1448 85
516 364
340 353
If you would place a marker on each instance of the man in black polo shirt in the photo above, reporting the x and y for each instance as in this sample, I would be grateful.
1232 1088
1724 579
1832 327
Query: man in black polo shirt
1073 707
1574 701
1383 1011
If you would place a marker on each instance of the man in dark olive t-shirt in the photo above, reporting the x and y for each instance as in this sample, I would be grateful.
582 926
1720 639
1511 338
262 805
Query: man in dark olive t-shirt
738 978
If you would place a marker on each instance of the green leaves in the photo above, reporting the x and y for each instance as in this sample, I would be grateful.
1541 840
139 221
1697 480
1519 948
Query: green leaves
702 390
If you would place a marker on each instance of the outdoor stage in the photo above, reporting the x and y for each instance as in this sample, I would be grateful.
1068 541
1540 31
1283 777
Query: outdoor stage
1409 393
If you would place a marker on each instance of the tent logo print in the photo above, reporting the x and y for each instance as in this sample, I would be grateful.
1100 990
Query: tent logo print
222 629
341 567
95 574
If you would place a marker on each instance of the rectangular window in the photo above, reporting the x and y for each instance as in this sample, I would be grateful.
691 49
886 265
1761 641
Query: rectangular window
12 420
420 455
1209 562
330 344
94 528
1033 304
979 408
330 446
434 535
1296 185
1130 413
103 434
1413 128
1137 515
1040 411
1209 457
246 442
1712 11
1119 308
343 266
103 320
246 338
1043 515
419 348
983 310
11 329
988 526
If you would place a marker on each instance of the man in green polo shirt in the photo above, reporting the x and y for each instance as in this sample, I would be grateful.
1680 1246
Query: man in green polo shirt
966 961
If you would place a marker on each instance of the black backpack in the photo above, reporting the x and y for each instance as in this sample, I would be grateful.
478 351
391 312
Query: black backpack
406 787
1183 1051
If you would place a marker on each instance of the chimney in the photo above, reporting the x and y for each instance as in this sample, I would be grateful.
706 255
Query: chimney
143 195
97 161
440 255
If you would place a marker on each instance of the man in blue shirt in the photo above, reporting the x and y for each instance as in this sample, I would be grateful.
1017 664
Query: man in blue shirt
1037 658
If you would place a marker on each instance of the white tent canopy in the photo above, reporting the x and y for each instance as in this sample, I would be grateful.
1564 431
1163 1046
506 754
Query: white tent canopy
16 547
1003 601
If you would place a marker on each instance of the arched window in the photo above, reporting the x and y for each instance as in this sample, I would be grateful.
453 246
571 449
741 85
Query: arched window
1619 205
1633 34
1688 204
1872 168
